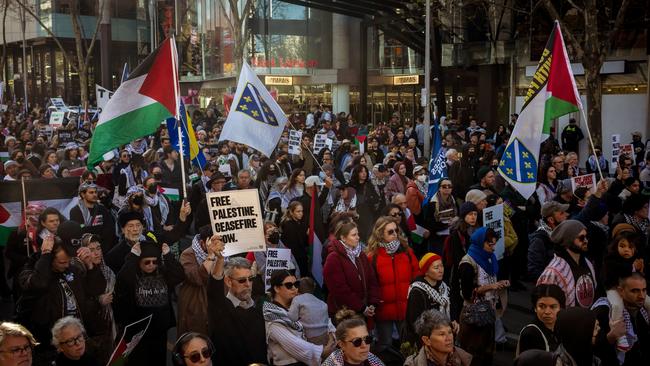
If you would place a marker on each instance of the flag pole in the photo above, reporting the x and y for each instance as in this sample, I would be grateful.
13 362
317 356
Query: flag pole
591 142
22 184
178 116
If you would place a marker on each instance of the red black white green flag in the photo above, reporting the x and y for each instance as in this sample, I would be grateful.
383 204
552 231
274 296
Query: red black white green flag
149 96
132 335
552 94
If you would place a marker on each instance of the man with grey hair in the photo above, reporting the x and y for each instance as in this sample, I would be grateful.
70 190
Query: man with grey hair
236 324
243 181
437 339
69 339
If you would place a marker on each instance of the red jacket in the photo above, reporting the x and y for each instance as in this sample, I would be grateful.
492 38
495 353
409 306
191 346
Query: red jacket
395 274
354 287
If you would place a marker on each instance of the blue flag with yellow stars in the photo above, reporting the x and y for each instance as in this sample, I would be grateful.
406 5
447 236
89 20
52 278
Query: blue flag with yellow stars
519 164
255 119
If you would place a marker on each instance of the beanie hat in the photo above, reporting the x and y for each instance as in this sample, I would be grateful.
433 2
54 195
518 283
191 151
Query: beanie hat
149 248
70 233
566 232
127 216
427 260
621 228
475 196
483 171
466 208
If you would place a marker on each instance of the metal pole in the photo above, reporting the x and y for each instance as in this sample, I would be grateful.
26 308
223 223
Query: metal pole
427 82
24 61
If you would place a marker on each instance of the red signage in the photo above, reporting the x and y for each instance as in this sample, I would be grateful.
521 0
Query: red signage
283 62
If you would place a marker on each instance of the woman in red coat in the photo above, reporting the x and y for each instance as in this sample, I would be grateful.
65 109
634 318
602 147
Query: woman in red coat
396 266
348 275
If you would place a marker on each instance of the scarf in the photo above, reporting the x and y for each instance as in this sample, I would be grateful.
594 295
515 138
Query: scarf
391 247
440 296
85 212
544 227
641 224
487 261
345 205
352 253
152 202
277 314
201 255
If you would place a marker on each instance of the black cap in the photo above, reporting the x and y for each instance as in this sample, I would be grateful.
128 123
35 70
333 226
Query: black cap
127 216
149 248
70 233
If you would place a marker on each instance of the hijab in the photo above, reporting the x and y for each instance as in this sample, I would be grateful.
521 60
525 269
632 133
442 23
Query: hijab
574 328
485 259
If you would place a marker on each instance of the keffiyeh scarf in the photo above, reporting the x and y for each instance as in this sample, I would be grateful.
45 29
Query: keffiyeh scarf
277 314
440 296
156 200
641 224
352 253
391 247
200 254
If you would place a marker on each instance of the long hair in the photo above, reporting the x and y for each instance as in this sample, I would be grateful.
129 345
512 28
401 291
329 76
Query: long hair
377 235
288 214
293 179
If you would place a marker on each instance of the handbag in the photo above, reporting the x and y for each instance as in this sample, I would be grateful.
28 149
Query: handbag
478 313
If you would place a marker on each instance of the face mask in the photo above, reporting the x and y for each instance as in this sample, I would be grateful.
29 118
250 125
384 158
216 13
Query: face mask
158 176
274 237
153 189
20 159
422 178
138 200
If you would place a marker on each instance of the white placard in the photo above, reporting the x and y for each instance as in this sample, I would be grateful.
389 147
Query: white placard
331 145
59 104
56 119
320 142
493 218
103 95
295 137
237 218
225 169
588 181
616 142
276 258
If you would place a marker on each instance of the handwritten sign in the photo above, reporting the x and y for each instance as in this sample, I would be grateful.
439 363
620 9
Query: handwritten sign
276 258
56 119
588 181
493 218
320 142
237 218
295 137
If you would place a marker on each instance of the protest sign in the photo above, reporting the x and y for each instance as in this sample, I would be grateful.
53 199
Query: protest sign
59 104
237 218
320 141
225 170
493 218
333 145
276 258
56 119
628 150
588 181
103 95
65 136
132 335
616 142
295 137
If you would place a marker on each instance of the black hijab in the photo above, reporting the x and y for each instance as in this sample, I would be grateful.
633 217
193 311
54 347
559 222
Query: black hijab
575 328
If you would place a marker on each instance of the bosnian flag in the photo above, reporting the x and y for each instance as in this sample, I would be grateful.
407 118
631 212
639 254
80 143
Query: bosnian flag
552 94
60 193
148 96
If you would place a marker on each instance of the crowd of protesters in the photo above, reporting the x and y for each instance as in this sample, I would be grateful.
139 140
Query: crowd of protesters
405 281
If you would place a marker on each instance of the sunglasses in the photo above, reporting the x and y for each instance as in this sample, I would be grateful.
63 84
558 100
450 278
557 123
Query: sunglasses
397 214
357 341
446 186
243 280
150 261
291 285
392 232
196 356
583 238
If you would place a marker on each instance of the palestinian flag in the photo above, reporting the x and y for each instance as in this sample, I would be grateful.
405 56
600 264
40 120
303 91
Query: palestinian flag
552 94
149 96
315 245
360 141
4 156
171 193
132 335
59 193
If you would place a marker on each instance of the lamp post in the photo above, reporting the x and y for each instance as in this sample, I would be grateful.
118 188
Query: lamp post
427 82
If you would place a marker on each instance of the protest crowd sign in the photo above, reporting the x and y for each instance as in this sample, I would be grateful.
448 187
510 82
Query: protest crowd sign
588 181
276 259
493 218
295 137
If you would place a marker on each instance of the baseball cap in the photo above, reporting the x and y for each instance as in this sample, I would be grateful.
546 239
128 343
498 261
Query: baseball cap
311 180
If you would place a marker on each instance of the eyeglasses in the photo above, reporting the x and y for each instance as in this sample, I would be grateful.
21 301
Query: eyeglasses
243 280
392 232
17 351
150 261
74 341
196 356
357 341
396 214
583 238
291 285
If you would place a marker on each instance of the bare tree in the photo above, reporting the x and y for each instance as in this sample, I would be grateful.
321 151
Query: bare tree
3 61
599 23
83 52
237 22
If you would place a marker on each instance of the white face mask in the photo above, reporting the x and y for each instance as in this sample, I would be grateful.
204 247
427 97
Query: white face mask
422 178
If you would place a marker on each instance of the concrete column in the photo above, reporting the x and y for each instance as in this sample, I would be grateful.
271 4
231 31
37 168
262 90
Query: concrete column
105 41
340 61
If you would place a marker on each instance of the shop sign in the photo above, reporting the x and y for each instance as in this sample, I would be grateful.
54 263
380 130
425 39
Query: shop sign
406 80
278 80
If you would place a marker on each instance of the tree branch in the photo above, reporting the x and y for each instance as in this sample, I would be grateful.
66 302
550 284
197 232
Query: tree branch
620 17
574 41
94 38
49 31
579 9
223 7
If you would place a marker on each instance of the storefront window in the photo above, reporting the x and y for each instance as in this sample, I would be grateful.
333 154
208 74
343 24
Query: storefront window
59 62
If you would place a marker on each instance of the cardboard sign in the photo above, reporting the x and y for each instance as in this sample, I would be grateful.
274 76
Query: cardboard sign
237 218
616 146
59 104
56 119
588 181
102 95
276 258
493 218
320 142
295 137
628 150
